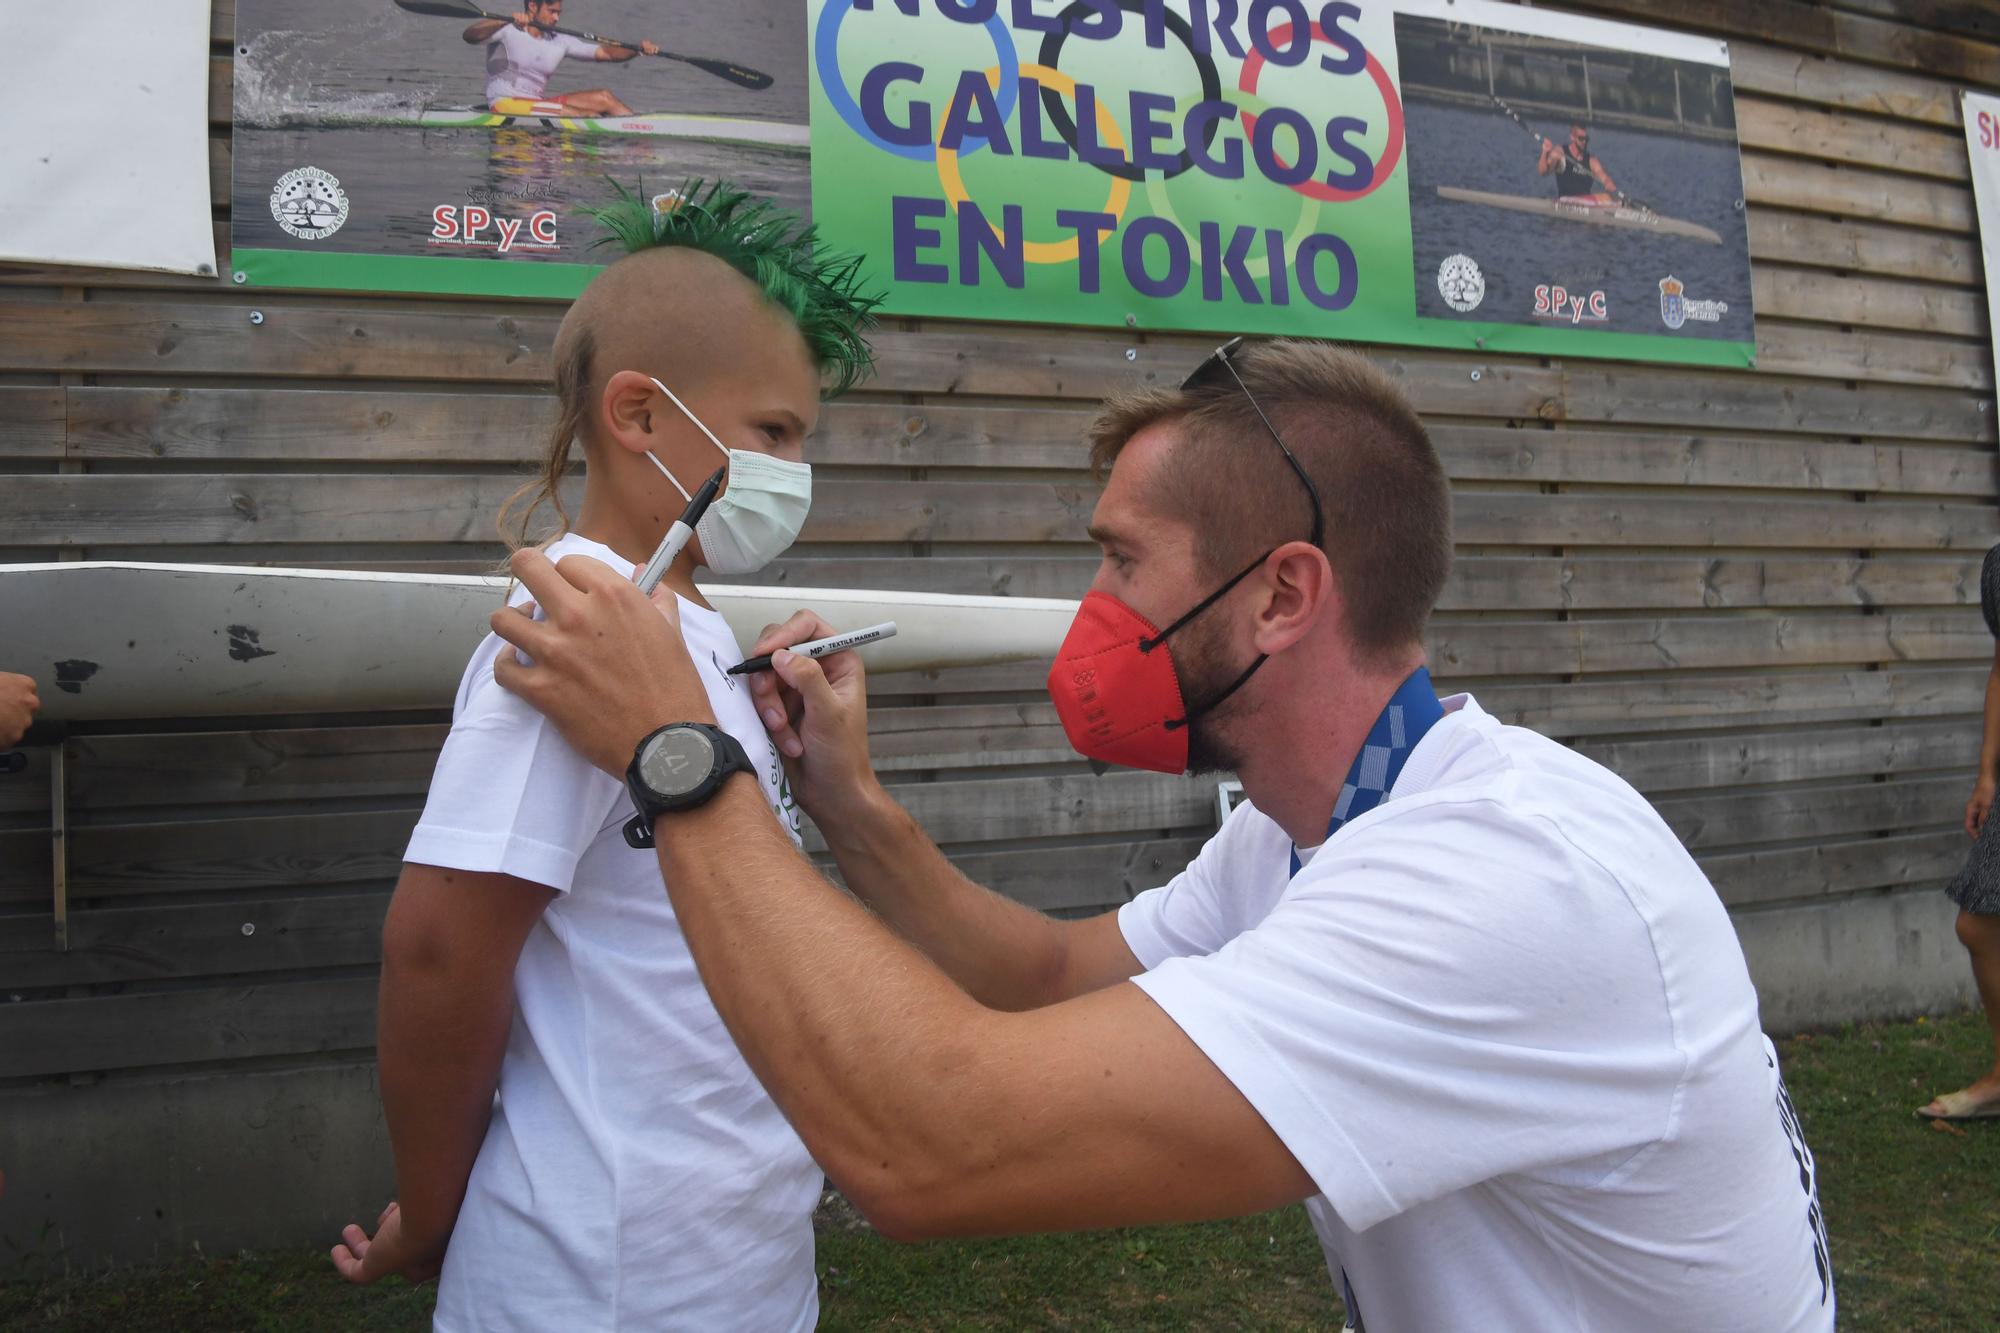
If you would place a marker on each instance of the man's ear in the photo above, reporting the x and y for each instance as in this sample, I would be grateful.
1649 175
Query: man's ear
630 410
1300 593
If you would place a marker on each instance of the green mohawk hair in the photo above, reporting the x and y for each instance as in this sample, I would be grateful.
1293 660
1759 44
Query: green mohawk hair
772 247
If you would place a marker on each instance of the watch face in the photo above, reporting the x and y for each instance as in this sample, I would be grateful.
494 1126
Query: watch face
676 761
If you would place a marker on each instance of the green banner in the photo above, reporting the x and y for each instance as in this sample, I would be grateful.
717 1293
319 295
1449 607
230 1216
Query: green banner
1455 174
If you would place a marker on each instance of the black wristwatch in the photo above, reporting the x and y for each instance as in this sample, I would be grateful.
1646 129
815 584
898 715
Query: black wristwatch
678 767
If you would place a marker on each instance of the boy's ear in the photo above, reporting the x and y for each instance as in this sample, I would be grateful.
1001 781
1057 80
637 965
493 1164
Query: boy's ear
631 415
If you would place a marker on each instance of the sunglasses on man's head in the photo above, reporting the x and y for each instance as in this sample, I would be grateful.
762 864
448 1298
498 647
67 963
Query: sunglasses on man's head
1216 369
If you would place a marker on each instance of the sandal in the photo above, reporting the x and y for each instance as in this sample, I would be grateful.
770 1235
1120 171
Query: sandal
1962 1105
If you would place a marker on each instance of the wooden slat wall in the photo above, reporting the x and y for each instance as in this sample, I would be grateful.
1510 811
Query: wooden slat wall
1753 594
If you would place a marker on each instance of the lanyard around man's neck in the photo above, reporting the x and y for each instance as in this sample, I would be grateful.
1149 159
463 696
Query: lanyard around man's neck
1411 711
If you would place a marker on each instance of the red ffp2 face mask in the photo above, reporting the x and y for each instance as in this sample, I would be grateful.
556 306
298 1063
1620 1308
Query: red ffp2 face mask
1116 689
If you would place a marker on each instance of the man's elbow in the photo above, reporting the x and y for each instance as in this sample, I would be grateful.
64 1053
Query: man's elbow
907 1204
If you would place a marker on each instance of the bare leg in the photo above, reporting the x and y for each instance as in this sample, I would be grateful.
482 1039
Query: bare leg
595 102
1981 937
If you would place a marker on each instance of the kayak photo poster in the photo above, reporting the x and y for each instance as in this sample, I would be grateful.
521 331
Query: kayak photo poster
1448 173
1451 173
368 154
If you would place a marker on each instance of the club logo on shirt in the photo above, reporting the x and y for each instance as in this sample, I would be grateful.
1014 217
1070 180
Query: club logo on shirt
309 203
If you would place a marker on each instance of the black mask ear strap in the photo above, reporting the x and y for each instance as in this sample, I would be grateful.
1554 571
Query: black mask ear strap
1148 645
1234 686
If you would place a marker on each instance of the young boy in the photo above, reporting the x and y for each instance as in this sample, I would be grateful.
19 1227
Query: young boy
631 1172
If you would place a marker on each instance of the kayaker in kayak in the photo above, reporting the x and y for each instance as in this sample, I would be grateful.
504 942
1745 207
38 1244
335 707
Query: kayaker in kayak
522 52
1577 171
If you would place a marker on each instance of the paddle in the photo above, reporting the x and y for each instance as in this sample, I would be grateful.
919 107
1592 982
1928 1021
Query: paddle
1568 163
740 75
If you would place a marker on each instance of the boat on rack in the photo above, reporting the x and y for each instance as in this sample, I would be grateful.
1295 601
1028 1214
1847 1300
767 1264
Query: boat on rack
111 640
654 124
1601 212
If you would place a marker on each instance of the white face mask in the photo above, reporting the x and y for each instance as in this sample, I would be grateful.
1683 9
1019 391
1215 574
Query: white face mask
758 515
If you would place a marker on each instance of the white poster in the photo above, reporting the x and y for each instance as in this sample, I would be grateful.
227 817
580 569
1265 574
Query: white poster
109 165
1982 142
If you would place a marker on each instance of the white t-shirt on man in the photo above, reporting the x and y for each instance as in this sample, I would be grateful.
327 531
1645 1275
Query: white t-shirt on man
519 63
1503 1022
635 1175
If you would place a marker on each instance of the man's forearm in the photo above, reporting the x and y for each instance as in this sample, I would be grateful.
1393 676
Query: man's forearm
1004 955
854 1034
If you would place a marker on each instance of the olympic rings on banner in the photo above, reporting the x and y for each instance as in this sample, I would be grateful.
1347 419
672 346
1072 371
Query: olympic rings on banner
1035 252
1253 68
1258 266
826 58
1058 114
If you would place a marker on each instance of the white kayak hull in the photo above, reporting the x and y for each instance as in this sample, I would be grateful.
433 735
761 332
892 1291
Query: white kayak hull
646 124
1603 215
113 640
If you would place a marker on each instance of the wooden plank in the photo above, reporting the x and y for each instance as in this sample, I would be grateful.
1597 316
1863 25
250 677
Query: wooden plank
1693 763
1072 878
221 90
294 850
1964 18
1772 182
203 424
136 509
379 341
1624 518
1803 349
1601 583
365 761
365 341
1746 878
1757 68
31 422
1692 702
1685 400
1786 814
1804 294
1499 648
1866 247
150 941
1870 141
152 1029
1898 44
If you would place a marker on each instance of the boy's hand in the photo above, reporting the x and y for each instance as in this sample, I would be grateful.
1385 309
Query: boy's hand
18 705
609 665
817 714
363 1260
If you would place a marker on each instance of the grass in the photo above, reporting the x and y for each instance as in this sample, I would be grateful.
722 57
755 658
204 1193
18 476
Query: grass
1913 1211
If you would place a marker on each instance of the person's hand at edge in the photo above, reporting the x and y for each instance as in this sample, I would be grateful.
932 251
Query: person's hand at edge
363 1259
1981 803
608 665
18 705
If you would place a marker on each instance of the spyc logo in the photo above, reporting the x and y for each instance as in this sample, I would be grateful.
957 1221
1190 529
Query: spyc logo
1673 310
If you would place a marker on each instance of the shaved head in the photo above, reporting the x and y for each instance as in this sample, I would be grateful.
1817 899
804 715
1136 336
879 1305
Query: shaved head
678 315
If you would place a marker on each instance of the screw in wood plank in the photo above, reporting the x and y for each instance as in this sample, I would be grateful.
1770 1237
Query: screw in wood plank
256 317
1131 354
1475 376
249 929
239 276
